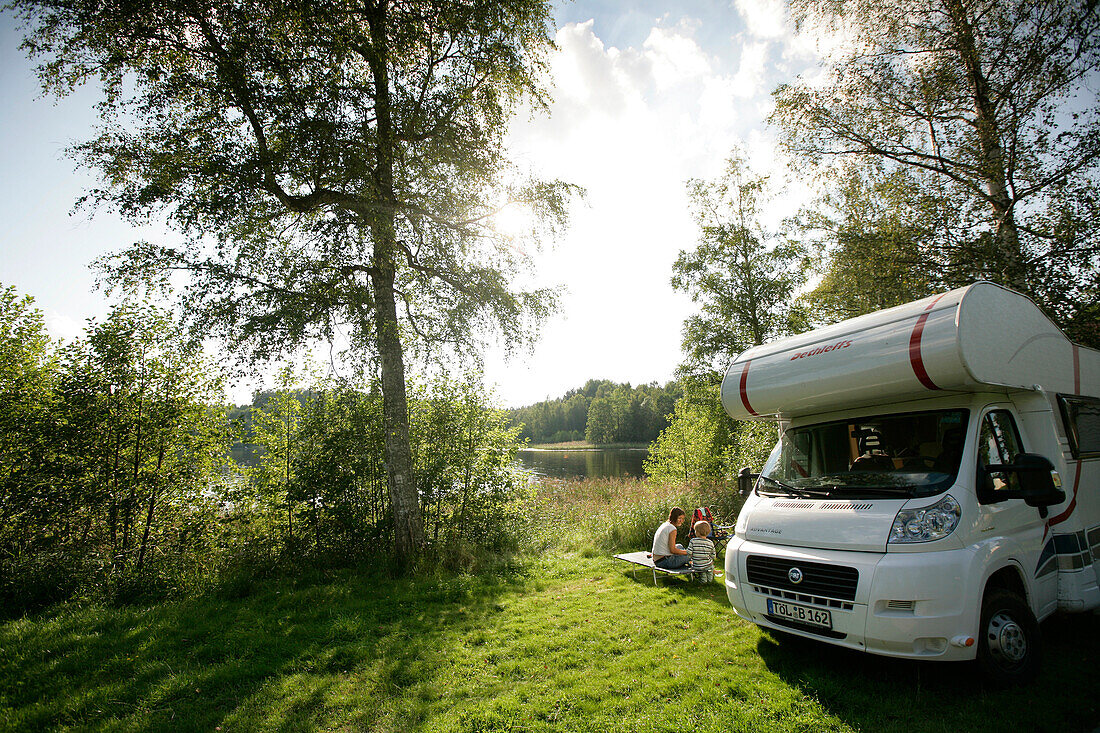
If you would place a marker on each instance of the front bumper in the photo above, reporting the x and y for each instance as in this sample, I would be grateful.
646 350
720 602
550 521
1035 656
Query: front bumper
916 605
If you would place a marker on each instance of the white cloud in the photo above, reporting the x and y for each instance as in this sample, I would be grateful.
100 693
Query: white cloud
631 125
580 70
749 81
675 57
764 18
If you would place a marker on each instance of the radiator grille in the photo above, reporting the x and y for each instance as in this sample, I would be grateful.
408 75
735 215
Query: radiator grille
819 579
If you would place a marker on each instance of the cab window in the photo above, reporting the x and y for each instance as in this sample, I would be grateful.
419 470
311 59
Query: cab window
998 443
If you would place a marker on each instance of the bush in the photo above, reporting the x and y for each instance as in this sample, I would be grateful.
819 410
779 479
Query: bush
34 581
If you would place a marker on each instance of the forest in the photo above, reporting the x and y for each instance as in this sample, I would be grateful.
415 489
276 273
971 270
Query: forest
601 412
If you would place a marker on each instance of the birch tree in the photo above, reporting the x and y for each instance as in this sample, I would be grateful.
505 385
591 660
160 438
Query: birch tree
996 98
335 166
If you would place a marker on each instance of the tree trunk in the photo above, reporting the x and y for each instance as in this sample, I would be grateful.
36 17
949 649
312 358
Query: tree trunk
152 507
112 515
286 473
1008 256
408 526
131 503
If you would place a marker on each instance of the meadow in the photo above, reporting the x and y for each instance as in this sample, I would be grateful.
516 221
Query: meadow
558 637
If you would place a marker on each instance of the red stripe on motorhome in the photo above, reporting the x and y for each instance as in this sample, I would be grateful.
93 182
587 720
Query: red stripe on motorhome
1077 473
915 359
744 390
1076 370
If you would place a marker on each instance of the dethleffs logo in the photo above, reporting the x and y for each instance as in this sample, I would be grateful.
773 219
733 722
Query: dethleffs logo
822 349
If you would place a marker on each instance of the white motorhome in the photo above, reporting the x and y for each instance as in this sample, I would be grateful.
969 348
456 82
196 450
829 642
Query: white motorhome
935 491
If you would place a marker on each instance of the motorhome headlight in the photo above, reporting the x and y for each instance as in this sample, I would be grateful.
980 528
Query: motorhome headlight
928 523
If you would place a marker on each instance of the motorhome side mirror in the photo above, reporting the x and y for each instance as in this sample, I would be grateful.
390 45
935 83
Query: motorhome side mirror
745 480
1035 480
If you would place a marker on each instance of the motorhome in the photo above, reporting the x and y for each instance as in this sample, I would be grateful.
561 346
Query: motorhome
935 491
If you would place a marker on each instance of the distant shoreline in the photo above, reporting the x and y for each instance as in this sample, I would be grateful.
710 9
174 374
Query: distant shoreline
578 445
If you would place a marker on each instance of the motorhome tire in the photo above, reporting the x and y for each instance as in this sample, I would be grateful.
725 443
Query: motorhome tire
1009 643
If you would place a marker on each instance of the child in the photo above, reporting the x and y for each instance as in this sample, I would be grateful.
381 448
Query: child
702 553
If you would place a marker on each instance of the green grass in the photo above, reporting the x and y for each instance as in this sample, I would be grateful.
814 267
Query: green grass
556 644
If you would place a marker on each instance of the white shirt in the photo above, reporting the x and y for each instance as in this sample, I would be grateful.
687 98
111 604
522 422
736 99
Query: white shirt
661 540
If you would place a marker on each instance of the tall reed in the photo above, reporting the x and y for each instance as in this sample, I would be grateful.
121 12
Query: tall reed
603 515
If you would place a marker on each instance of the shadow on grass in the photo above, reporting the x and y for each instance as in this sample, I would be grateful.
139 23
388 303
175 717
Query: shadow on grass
715 591
287 658
870 692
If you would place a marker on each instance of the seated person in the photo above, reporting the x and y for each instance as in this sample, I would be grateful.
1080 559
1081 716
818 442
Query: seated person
668 555
702 553
872 456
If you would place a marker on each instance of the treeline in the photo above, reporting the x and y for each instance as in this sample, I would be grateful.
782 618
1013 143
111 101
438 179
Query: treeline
117 482
600 412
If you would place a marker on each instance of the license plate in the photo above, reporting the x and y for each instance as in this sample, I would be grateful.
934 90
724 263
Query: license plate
802 614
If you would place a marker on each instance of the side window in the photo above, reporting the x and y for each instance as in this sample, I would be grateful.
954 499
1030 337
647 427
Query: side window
1082 419
998 443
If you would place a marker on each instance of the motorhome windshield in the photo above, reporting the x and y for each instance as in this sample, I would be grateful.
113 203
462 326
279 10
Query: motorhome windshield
908 455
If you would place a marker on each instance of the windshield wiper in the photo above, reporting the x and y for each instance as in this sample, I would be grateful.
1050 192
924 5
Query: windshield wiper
862 491
791 490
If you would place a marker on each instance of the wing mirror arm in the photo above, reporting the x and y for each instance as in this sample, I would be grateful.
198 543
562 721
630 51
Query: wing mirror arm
745 481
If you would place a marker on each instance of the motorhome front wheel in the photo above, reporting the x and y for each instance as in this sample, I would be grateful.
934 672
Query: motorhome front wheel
1010 646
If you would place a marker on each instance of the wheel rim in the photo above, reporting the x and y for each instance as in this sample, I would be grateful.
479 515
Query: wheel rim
1007 640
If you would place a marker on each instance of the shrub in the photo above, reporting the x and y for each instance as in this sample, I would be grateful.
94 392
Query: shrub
37 580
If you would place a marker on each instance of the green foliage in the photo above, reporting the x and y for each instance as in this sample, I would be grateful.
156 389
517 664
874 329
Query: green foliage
320 490
989 112
340 478
703 446
129 496
601 412
464 458
28 460
276 429
691 449
752 443
606 418
145 433
115 490
742 276
887 239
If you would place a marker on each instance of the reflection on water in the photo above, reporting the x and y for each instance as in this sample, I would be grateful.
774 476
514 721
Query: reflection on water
592 463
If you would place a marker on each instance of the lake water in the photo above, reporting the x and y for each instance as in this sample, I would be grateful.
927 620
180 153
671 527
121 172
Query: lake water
591 463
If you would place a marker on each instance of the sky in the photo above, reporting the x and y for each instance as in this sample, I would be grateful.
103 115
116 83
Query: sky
644 98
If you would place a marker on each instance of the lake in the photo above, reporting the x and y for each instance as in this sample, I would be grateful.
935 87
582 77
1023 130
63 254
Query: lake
582 463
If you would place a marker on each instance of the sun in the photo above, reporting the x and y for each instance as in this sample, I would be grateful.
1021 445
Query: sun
514 220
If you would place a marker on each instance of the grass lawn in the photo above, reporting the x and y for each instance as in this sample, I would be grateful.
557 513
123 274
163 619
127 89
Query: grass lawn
566 644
